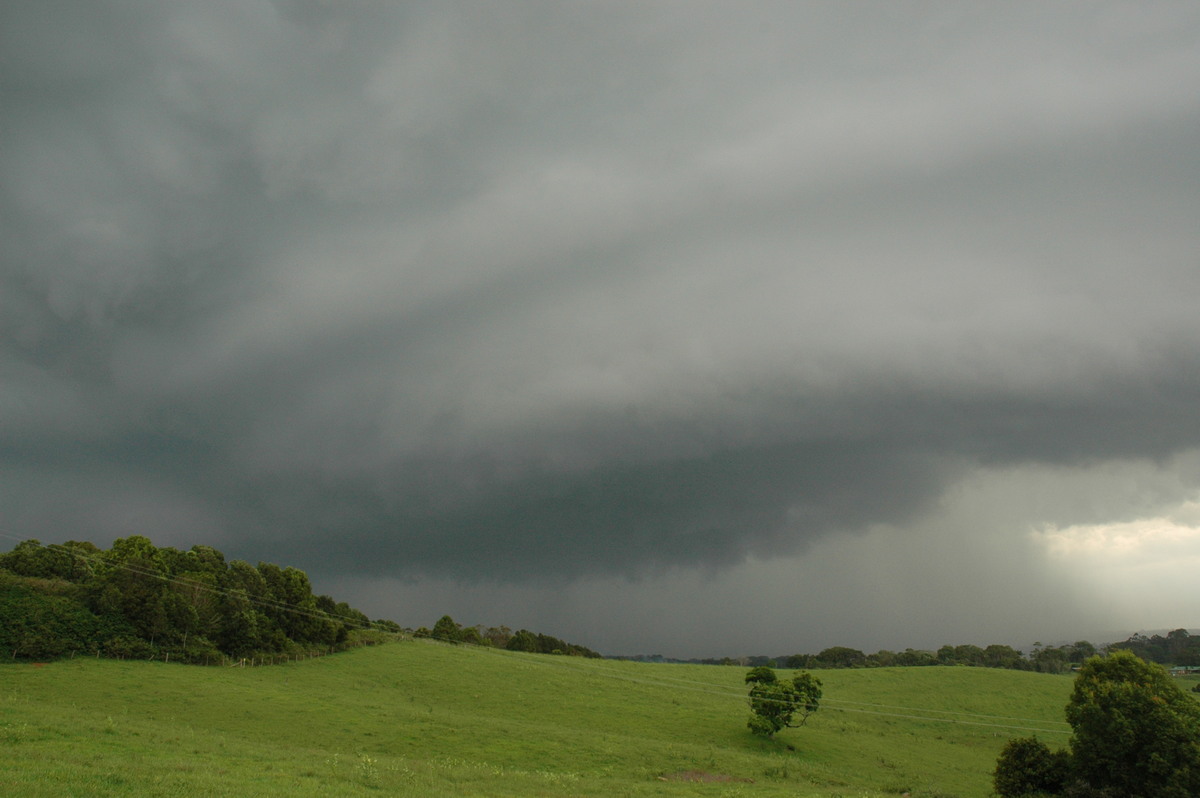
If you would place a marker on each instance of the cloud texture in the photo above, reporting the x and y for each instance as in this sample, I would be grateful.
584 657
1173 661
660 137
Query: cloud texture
540 296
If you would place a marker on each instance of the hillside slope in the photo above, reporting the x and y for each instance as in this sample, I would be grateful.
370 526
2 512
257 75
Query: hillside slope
421 718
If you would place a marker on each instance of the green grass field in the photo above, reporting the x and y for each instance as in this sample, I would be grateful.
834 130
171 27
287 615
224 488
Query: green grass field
419 718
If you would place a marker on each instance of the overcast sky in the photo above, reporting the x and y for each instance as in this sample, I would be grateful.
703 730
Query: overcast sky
665 327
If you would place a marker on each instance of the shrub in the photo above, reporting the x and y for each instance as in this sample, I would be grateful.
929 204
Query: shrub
1027 767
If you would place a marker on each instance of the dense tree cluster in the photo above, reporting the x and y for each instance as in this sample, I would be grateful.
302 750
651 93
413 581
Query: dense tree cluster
448 630
138 600
1047 659
1135 735
775 704
1176 648
993 656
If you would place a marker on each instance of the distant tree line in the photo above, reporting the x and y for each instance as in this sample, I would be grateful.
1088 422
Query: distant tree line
136 600
1176 648
449 631
1047 659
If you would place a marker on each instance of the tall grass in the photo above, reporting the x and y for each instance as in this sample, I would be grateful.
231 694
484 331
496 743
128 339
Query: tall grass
420 719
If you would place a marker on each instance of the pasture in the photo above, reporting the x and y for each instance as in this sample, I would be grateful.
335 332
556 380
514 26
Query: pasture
419 718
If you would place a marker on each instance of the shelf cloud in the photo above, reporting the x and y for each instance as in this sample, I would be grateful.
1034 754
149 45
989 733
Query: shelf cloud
535 306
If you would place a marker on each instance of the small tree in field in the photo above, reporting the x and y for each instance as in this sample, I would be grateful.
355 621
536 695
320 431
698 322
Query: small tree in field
774 704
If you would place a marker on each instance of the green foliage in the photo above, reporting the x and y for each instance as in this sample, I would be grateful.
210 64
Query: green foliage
842 657
1048 659
44 620
1136 732
447 630
138 601
761 675
1177 647
30 558
1136 735
531 643
1027 767
774 703
523 640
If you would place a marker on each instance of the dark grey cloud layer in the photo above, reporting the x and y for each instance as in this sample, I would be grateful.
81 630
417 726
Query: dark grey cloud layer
543 291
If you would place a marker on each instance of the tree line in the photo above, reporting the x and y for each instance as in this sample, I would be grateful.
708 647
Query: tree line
136 600
1178 647
139 601
1047 659
449 631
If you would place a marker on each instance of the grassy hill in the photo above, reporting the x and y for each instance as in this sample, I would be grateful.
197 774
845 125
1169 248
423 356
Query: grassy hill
420 718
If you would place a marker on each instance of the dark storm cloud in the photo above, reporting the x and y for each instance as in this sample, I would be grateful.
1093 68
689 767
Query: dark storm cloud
538 291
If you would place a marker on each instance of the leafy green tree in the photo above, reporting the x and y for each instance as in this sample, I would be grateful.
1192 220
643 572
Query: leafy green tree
998 656
137 600
1178 647
1081 651
968 655
911 658
130 583
1052 660
293 607
29 558
842 657
447 630
37 624
497 636
881 659
761 675
774 704
244 626
1136 734
1027 767
523 640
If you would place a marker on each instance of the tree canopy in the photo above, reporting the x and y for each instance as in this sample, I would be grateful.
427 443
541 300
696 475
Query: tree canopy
1135 735
1136 732
774 704
139 600
447 630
